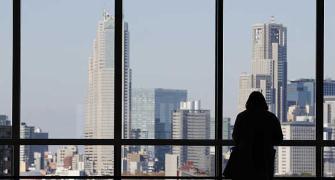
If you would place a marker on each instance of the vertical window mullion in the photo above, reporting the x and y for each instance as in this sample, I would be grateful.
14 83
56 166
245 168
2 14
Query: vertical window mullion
319 85
118 87
16 87
218 85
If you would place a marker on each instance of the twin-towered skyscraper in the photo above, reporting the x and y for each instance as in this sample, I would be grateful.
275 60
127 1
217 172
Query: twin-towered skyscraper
269 68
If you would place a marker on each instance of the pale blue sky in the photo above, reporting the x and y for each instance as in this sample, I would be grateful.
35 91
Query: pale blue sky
171 46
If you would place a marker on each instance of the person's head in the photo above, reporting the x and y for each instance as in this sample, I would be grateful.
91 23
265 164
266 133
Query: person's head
256 100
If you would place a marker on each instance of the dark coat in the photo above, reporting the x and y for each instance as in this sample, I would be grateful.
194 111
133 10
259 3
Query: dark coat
255 133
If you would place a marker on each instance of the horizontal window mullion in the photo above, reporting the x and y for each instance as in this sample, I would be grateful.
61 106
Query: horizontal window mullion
143 177
190 142
57 142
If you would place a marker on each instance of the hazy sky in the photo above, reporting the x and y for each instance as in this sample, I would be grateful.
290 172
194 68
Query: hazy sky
171 46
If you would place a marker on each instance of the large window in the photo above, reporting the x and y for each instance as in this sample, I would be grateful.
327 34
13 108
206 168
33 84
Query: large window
265 44
136 89
6 150
329 90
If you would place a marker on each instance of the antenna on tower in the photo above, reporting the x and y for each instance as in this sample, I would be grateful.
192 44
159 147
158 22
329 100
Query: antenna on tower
105 14
272 19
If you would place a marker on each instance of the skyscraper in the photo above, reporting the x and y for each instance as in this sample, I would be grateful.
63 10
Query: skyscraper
191 122
269 65
99 123
152 114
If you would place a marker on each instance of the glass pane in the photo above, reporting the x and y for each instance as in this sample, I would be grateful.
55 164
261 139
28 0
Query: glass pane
66 160
170 65
289 161
68 67
6 34
329 89
266 44
329 161
169 161
295 161
329 82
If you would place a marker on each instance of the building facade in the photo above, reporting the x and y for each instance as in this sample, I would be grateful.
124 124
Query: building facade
295 160
27 151
191 122
99 116
269 67
152 114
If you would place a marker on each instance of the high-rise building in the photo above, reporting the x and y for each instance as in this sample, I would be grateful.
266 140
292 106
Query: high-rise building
295 160
6 151
301 97
269 67
27 151
245 89
191 122
329 134
329 87
99 123
152 111
152 114
171 165
64 152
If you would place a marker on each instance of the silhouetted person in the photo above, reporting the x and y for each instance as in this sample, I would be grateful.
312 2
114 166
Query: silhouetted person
256 131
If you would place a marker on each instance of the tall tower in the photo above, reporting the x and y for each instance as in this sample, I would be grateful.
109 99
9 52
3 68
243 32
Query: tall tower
269 58
99 116
269 67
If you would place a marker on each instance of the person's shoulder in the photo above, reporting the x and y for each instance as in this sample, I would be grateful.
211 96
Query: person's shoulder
271 115
243 113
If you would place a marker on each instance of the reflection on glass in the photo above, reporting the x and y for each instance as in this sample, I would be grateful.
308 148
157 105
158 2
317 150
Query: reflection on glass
65 160
169 161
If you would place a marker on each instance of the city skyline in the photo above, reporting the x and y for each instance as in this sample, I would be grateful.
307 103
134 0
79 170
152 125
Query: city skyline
164 124
66 114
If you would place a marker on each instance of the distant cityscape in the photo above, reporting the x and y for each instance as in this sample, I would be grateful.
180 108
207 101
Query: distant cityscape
158 113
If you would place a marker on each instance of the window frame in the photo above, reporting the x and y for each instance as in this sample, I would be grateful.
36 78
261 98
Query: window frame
118 142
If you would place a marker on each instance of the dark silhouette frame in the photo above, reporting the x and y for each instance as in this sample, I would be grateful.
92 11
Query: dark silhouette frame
118 142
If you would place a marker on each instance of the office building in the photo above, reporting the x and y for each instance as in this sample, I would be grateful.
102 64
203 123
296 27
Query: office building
64 152
329 87
27 151
191 122
269 67
329 134
245 88
99 123
296 160
152 114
